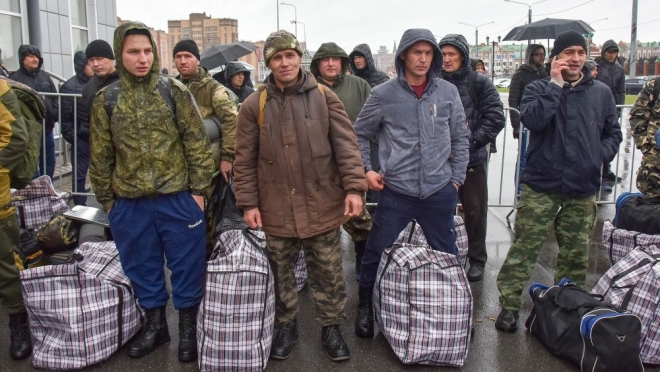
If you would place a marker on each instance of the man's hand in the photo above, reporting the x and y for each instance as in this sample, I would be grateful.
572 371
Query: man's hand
353 205
375 181
558 65
225 169
199 199
253 218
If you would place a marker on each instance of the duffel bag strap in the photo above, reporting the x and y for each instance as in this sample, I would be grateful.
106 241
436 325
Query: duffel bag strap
253 239
622 274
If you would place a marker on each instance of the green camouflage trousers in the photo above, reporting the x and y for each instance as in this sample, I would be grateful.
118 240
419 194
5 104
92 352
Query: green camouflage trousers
573 220
326 277
11 296
359 227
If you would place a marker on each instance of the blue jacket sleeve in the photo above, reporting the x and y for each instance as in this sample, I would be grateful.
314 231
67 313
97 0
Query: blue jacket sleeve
539 104
366 125
460 142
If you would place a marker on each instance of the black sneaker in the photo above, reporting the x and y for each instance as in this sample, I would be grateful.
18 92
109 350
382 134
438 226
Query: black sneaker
284 340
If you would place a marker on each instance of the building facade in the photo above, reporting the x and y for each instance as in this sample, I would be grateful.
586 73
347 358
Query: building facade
206 31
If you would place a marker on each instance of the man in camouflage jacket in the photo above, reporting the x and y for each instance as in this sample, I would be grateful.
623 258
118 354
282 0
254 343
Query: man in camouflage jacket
644 123
150 163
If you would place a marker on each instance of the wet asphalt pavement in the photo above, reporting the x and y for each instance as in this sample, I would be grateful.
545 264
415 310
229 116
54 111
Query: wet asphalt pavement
490 350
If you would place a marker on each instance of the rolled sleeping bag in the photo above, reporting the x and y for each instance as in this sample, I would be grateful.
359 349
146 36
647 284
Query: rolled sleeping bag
213 129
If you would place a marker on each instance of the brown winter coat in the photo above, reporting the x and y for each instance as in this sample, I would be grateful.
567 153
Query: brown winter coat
298 167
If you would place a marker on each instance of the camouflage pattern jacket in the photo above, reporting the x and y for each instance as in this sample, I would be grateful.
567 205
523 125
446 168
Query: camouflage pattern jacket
213 99
144 149
644 124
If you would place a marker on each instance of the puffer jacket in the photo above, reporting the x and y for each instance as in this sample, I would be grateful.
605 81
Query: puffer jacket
612 74
39 81
486 117
299 165
72 86
213 99
245 90
573 130
95 84
144 150
371 74
525 75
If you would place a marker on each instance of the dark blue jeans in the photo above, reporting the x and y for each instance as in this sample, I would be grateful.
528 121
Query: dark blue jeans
434 214
523 157
50 156
80 163
146 231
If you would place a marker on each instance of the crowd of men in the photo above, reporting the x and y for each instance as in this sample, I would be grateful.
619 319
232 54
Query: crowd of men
304 149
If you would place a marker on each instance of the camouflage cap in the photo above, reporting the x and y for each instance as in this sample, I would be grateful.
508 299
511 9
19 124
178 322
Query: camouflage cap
278 41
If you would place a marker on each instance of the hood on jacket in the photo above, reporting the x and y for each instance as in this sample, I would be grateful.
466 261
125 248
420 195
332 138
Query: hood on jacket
364 50
474 61
410 37
79 63
530 50
609 44
132 28
329 50
25 50
234 68
458 41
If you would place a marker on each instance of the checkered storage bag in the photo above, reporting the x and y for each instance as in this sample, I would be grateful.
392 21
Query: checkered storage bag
300 271
236 317
633 284
38 202
423 305
619 242
414 235
81 312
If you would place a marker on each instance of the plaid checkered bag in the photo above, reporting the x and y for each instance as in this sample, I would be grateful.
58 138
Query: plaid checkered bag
414 235
237 314
633 284
423 305
38 202
619 242
80 313
300 271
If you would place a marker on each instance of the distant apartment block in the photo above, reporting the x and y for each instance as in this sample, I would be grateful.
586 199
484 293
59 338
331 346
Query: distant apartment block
206 31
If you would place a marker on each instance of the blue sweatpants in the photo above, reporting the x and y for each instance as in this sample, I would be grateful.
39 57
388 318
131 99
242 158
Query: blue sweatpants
148 230
434 214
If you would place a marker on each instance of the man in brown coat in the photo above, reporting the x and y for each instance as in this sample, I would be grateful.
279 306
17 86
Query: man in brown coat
299 176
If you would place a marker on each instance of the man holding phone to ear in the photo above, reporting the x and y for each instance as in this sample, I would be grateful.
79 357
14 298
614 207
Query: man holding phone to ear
574 129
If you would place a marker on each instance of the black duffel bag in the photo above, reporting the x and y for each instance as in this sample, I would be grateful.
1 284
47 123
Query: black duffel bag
576 326
636 212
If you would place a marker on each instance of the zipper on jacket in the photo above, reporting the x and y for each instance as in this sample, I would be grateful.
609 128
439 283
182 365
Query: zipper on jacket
283 98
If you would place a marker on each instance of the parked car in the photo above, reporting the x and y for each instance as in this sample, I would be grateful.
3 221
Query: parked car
634 85
505 83
496 81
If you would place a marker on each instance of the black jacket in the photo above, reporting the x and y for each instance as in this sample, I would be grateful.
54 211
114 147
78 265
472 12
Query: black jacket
94 85
245 90
612 74
488 119
525 75
39 81
572 132
75 85
371 74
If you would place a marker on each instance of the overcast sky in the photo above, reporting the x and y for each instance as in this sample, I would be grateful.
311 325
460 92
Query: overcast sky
376 22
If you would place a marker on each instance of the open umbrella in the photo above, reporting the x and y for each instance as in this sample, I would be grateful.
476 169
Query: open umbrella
548 28
219 55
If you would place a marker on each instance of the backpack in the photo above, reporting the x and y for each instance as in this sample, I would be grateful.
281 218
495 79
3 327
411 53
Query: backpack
33 110
263 98
472 88
164 85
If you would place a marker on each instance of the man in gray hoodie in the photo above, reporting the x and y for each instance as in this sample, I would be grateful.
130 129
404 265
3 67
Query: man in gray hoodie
424 152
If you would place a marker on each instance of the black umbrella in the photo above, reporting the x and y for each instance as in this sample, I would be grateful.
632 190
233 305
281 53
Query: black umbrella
548 28
219 55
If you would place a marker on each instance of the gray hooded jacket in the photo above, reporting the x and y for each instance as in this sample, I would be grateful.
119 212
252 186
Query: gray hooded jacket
423 142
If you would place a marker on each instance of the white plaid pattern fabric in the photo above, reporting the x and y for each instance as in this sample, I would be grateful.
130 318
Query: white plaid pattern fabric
236 317
80 313
619 242
41 202
633 284
414 235
300 271
423 305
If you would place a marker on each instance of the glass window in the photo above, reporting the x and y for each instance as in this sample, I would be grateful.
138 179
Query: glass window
80 40
10 6
10 40
78 13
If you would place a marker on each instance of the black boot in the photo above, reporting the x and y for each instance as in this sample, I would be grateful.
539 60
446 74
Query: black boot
364 324
188 334
359 253
284 340
21 341
476 272
333 343
155 333
507 321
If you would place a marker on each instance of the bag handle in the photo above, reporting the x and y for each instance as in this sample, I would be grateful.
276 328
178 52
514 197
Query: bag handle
622 274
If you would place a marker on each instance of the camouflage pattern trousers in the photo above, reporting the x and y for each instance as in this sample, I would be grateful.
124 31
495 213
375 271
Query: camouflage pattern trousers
359 227
573 220
326 277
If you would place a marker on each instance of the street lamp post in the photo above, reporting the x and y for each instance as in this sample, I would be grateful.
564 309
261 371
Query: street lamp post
295 16
476 37
278 15
304 33
492 65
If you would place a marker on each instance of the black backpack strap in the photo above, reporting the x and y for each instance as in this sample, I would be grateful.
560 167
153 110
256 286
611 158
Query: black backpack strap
111 96
164 85
472 88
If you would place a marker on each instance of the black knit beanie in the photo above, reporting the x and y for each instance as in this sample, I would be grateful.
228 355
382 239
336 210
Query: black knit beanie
99 48
186 45
566 40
